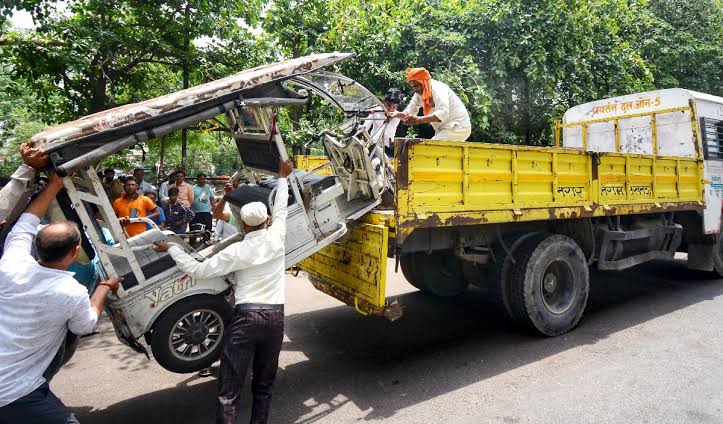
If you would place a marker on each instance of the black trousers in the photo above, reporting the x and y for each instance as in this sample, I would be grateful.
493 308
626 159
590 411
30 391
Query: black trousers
64 354
40 406
253 336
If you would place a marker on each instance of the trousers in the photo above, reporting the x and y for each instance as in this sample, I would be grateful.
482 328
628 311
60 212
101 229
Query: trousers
40 406
253 337
456 133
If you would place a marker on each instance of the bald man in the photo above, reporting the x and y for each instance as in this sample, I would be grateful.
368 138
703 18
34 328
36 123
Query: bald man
441 107
41 304
256 329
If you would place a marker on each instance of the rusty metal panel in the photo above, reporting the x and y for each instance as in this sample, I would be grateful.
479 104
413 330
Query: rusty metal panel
353 269
453 183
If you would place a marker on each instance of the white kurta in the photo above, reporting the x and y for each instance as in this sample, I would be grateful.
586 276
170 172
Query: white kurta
454 122
382 128
257 262
38 306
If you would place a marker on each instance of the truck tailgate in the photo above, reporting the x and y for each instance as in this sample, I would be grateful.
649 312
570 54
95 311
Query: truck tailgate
353 269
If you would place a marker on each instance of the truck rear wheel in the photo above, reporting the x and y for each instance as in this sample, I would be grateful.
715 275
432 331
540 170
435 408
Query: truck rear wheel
718 256
439 274
187 336
549 284
406 262
499 270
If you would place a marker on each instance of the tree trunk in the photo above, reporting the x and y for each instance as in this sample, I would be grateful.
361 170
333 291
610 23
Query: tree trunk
100 100
186 72
160 162
526 109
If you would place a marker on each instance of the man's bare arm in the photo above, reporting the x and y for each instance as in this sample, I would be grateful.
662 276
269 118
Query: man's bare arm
218 208
416 120
100 294
156 213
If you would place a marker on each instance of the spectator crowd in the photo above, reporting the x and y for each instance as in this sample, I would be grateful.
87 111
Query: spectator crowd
176 205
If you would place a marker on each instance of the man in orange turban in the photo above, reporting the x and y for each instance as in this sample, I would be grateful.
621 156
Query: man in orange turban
440 107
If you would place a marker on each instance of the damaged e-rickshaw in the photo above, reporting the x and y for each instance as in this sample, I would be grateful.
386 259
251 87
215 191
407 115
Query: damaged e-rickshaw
179 317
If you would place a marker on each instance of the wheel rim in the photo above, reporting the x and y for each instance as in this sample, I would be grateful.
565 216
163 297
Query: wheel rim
196 334
558 286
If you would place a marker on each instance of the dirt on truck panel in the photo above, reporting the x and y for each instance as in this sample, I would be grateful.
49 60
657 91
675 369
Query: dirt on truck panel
449 184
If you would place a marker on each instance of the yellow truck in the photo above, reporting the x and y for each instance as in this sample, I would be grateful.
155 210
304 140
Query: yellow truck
629 179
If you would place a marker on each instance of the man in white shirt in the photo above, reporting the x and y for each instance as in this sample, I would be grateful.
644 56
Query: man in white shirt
226 224
40 302
163 190
381 127
257 327
143 185
440 107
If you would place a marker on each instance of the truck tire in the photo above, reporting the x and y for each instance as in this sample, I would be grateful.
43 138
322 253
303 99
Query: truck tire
406 262
718 256
499 270
441 273
187 337
549 284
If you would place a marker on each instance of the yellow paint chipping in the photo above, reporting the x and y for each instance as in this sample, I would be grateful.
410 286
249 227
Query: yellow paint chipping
354 269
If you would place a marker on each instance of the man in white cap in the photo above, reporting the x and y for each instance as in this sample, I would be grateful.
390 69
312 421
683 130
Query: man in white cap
257 327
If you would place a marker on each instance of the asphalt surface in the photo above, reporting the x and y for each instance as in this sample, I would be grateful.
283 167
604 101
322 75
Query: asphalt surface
648 350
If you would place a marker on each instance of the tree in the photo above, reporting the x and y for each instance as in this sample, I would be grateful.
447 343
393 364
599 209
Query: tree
107 54
19 120
685 45
517 64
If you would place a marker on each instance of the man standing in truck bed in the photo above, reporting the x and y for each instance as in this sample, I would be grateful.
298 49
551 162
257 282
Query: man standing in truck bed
440 107
257 327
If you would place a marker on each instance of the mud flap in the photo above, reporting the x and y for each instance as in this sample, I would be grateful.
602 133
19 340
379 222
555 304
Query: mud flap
119 325
354 270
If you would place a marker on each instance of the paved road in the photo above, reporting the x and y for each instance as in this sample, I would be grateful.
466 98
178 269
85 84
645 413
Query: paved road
649 350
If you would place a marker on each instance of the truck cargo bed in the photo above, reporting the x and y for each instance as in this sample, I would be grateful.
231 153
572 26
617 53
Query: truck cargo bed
455 183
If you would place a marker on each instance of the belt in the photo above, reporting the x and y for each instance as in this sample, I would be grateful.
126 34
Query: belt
258 307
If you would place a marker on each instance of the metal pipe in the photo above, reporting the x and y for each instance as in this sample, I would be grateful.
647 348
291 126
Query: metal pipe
116 146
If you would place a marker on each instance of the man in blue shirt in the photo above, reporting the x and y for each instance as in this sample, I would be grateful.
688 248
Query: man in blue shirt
202 205
161 218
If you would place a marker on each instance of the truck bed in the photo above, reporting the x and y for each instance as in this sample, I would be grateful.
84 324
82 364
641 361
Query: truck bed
460 183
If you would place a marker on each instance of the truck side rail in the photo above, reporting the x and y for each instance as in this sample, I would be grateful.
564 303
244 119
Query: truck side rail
615 121
460 183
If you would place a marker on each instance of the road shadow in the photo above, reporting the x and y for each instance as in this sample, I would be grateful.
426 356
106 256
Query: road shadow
440 345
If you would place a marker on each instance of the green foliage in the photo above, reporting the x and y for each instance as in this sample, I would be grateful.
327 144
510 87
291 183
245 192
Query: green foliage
19 120
210 152
104 54
20 133
516 64
685 48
